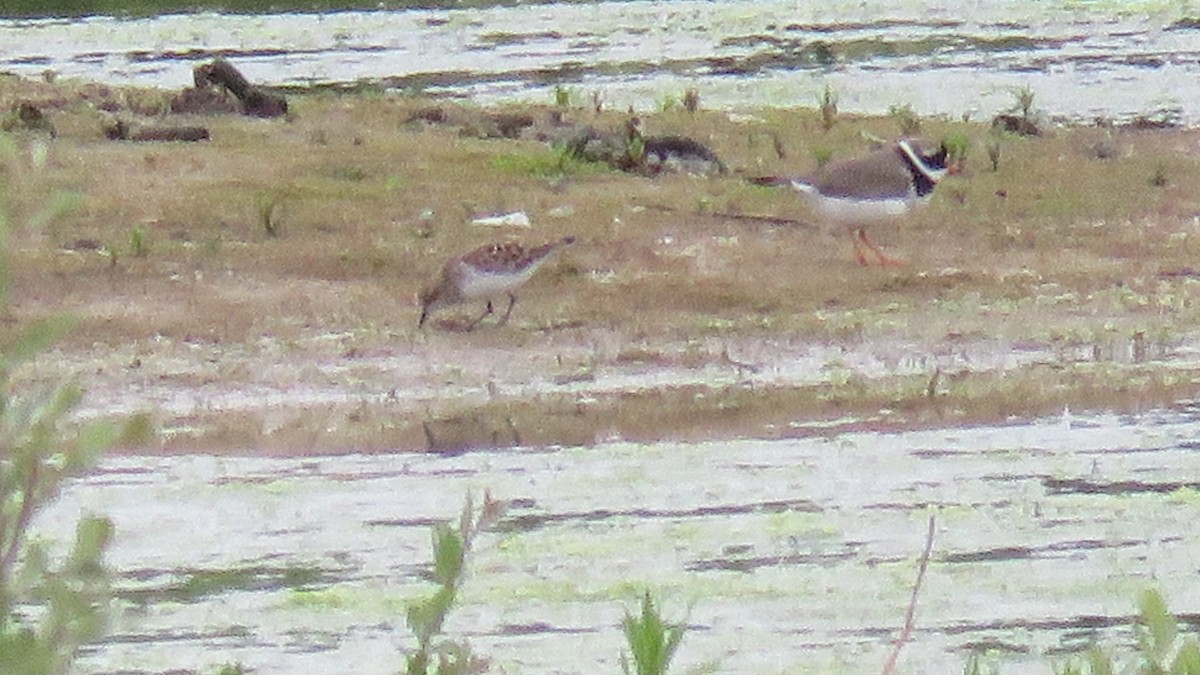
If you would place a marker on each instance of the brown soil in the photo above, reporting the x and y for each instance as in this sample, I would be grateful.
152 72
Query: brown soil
256 291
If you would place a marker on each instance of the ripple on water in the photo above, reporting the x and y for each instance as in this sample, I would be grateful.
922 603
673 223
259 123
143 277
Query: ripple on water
946 58
804 548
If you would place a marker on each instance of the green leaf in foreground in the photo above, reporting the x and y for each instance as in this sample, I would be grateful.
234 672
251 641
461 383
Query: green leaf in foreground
652 641
1156 631
49 605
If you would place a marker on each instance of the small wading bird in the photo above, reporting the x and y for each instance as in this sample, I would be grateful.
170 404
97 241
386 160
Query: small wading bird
875 188
487 271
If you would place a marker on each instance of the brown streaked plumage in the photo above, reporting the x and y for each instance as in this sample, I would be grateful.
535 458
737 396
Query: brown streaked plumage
486 271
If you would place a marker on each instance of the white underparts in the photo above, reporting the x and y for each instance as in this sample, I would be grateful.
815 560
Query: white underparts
475 283
856 211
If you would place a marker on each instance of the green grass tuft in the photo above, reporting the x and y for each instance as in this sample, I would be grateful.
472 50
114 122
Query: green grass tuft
906 118
426 617
828 105
652 641
544 164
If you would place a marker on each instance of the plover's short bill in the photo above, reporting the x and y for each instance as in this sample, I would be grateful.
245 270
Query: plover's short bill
879 187
483 273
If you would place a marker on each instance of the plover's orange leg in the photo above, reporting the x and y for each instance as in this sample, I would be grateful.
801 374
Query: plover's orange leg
858 248
884 259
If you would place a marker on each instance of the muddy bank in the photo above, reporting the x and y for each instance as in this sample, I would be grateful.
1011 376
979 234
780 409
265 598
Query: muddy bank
725 377
270 306
560 390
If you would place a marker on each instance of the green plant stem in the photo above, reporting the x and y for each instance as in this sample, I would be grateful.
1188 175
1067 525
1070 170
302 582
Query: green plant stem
21 525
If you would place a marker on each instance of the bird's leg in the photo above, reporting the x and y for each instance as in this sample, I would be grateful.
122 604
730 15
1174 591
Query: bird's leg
486 310
884 259
856 235
512 300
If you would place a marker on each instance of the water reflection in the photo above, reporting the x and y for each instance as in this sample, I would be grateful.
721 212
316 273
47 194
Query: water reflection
804 549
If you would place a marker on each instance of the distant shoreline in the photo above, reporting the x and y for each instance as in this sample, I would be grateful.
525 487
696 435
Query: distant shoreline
51 9
962 61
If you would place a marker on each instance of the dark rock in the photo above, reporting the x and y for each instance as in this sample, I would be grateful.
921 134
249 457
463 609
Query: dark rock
1016 124
26 116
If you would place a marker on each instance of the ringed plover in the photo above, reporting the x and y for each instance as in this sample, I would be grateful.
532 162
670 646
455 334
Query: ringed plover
878 187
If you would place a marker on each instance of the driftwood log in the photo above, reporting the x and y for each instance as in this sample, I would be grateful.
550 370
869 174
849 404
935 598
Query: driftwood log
254 100
206 101
120 131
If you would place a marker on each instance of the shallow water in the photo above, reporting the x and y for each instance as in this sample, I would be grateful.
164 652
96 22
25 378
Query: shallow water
1081 60
793 555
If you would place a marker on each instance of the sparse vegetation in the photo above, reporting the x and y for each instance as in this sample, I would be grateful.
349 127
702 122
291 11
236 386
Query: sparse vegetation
978 665
1023 102
49 605
544 163
1158 177
906 118
994 149
1046 250
563 97
1050 249
828 105
958 145
268 212
139 241
822 156
652 641
451 545
1160 651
